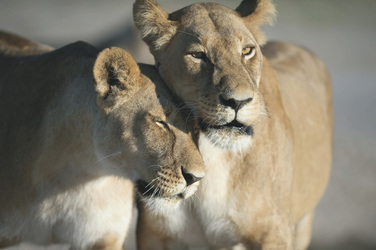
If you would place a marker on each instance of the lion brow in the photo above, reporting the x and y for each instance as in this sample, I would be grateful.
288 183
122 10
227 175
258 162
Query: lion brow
190 34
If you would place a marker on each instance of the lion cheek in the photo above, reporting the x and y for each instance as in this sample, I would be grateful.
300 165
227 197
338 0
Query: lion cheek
246 116
251 112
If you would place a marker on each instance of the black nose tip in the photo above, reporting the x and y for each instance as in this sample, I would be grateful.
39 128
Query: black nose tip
234 104
189 177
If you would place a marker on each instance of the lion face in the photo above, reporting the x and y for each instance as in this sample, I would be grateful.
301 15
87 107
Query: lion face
211 58
142 129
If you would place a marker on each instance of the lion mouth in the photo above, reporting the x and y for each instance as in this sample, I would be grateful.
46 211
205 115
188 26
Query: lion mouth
150 191
234 125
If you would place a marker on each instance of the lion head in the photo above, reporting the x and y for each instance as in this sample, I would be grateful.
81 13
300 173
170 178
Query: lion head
144 129
210 56
77 129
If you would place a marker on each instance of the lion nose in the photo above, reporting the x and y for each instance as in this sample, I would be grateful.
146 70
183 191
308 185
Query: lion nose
190 178
233 103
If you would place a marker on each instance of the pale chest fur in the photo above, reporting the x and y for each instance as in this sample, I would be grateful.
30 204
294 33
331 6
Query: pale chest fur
212 204
215 203
222 206
81 214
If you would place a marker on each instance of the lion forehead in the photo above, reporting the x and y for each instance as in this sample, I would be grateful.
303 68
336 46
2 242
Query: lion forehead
208 20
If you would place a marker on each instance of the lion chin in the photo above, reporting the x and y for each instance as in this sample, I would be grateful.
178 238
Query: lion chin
160 203
233 136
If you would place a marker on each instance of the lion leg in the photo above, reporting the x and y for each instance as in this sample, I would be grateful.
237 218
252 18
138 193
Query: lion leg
146 239
239 246
150 233
147 236
109 242
274 232
303 232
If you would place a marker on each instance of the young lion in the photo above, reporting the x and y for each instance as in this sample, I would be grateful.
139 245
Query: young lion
71 145
266 127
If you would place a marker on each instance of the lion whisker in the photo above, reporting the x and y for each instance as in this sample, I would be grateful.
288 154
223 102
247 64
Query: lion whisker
266 110
187 119
156 165
155 192
155 179
190 34
108 156
188 106
148 190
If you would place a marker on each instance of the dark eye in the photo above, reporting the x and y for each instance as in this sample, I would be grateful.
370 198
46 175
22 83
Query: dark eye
163 124
248 52
198 55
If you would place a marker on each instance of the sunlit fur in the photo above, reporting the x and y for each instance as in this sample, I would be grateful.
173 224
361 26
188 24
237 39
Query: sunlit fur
223 71
261 184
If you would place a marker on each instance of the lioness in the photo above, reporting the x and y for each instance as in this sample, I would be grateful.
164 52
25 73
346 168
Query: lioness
266 127
72 143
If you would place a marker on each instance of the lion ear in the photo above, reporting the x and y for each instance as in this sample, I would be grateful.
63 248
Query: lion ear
115 74
255 13
153 23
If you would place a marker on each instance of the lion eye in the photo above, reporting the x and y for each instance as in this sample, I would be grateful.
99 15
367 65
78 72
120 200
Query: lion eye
198 55
248 52
163 125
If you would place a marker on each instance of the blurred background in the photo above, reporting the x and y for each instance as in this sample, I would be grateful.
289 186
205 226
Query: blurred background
341 32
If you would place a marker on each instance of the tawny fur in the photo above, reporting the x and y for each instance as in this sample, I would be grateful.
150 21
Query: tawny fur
261 189
73 143
14 45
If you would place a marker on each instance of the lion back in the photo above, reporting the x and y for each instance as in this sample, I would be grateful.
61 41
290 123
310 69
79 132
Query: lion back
306 94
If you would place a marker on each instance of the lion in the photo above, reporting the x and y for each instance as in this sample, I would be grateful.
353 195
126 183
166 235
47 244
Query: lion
78 130
14 45
266 127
